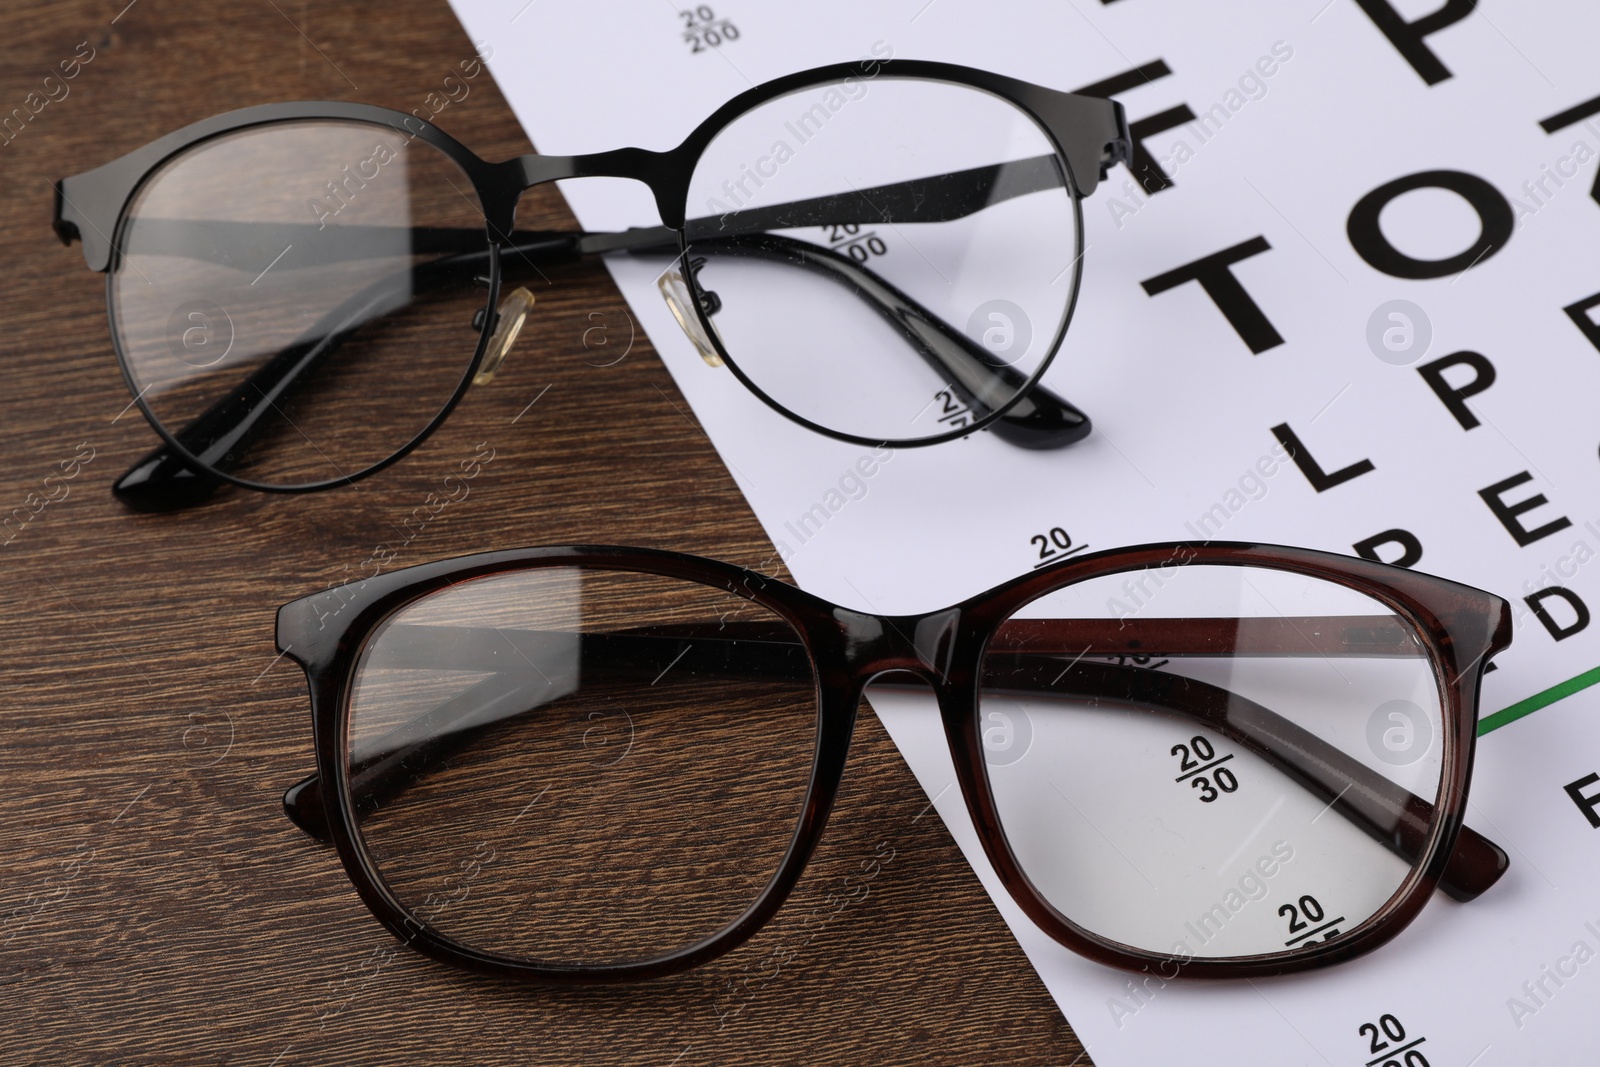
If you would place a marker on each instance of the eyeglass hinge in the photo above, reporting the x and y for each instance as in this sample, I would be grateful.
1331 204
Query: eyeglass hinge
1120 148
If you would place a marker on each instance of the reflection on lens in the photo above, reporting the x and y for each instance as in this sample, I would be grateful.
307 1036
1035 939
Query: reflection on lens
295 302
1225 761
887 258
578 766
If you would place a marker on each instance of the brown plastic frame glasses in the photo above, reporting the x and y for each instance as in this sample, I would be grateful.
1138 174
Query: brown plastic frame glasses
1457 627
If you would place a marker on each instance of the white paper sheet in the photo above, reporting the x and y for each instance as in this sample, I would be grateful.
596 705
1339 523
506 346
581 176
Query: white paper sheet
1183 412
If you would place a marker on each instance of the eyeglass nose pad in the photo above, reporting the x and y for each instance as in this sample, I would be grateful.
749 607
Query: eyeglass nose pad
675 291
509 317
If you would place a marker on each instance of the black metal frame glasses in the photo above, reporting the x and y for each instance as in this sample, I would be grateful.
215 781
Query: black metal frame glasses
596 764
290 287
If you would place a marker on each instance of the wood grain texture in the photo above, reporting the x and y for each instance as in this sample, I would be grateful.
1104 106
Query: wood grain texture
155 906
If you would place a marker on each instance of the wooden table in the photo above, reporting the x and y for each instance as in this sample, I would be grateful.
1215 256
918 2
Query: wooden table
155 906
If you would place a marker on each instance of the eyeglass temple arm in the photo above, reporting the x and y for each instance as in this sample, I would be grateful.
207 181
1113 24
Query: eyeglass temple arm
1039 419
1388 812
936 198
164 481
396 764
395 760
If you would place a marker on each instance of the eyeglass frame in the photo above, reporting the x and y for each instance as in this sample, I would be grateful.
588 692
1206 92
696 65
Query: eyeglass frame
1087 134
1461 629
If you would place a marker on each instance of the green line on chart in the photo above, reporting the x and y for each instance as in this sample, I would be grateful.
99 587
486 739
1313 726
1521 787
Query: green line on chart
1559 691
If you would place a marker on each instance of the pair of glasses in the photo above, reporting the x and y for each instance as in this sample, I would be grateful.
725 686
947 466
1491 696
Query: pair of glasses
886 252
595 764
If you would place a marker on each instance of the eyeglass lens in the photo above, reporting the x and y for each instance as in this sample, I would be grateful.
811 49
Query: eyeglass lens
889 258
296 301
1213 761
580 766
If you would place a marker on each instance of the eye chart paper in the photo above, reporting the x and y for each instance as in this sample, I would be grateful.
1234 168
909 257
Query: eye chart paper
1257 285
